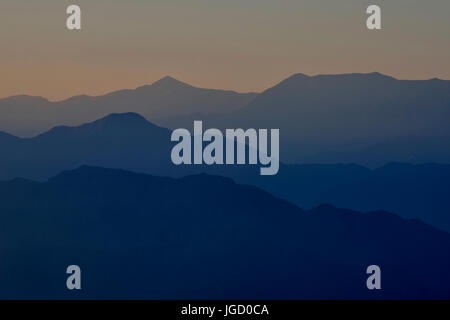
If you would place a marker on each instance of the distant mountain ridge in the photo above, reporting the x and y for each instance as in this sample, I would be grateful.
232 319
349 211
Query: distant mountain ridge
28 116
185 239
369 119
344 117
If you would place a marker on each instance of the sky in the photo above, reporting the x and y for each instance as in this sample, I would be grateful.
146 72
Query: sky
241 45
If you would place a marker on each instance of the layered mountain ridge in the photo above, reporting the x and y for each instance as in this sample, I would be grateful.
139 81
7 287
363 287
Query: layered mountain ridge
185 239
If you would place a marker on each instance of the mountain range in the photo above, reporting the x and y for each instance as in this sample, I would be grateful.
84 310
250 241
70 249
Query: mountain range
28 116
128 141
137 236
89 181
367 119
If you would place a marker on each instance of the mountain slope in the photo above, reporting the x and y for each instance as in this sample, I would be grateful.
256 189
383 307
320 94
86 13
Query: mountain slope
28 116
139 236
412 191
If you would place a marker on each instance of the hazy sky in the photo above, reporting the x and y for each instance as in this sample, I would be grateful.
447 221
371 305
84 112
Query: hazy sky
242 45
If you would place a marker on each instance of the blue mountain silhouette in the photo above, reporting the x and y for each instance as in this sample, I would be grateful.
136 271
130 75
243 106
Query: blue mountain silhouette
140 236
128 141
412 191
117 140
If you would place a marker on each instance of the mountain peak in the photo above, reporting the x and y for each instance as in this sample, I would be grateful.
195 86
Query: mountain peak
299 76
114 122
127 116
379 75
355 76
168 78
170 82
299 81
350 76
121 121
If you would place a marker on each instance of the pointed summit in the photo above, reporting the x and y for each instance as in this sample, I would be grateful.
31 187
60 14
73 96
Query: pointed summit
169 82
113 124
120 117
120 121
